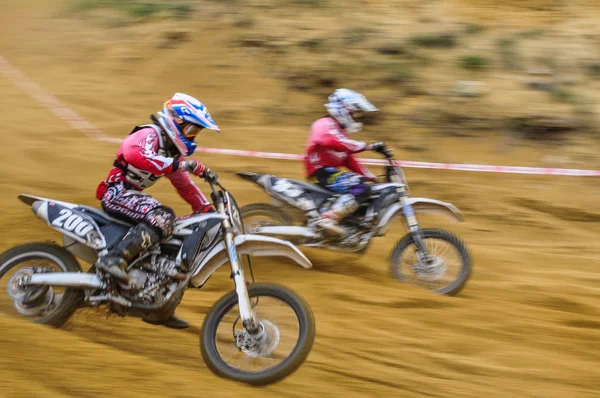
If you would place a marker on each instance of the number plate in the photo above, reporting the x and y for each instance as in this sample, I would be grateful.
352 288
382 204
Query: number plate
76 225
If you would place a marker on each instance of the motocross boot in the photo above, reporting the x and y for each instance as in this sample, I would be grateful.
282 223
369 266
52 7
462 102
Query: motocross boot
139 238
343 206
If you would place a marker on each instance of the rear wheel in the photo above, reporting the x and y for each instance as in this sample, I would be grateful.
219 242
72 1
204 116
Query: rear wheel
49 305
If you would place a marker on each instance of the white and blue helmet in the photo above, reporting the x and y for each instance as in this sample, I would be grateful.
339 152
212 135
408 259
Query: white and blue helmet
182 118
346 106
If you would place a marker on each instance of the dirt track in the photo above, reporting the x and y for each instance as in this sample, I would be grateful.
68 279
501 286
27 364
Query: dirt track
526 325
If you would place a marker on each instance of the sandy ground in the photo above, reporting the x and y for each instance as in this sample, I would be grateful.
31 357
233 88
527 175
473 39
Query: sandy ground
526 325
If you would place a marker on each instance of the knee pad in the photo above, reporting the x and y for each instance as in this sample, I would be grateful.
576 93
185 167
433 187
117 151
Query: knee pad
161 219
139 238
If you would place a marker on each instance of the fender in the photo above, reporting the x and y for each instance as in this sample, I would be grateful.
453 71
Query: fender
262 180
31 199
420 205
254 245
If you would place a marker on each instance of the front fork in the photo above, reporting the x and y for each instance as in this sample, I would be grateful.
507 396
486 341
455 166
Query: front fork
413 225
237 273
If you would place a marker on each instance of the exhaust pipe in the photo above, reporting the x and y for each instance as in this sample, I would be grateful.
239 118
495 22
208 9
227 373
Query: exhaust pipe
69 279
287 230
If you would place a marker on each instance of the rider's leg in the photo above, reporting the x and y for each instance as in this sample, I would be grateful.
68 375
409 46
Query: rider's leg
157 224
154 221
355 189
139 238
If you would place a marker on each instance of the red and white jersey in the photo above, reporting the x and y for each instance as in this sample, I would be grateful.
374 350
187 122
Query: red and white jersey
142 160
329 146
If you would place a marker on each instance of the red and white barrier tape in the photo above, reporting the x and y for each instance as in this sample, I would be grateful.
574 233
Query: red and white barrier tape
78 123
420 165
53 104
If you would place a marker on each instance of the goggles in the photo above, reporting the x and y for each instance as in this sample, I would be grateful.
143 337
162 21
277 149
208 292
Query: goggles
189 130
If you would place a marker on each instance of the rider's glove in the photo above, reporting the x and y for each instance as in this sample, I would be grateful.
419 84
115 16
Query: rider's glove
193 166
380 147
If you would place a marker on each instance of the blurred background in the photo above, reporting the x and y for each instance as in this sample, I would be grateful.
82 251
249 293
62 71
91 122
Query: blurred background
461 81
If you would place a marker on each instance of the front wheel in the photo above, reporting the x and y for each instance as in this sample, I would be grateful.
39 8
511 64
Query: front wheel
285 338
258 215
444 269
49 305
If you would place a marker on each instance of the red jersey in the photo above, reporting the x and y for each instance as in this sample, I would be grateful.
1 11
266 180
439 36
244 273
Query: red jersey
141 161
329 146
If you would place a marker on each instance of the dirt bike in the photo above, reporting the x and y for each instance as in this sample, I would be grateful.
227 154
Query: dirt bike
46 283
296 202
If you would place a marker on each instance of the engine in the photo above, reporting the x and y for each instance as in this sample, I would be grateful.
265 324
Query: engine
154 278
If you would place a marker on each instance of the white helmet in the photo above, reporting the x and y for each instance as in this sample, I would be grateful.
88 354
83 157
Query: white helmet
346 106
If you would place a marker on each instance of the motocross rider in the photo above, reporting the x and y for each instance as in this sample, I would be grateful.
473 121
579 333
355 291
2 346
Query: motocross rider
149 152
329 148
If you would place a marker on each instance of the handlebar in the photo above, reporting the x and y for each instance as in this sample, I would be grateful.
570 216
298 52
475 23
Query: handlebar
393 169
215 195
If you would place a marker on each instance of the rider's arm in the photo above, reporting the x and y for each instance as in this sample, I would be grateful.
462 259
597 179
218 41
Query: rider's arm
336 141
356 167
189 191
